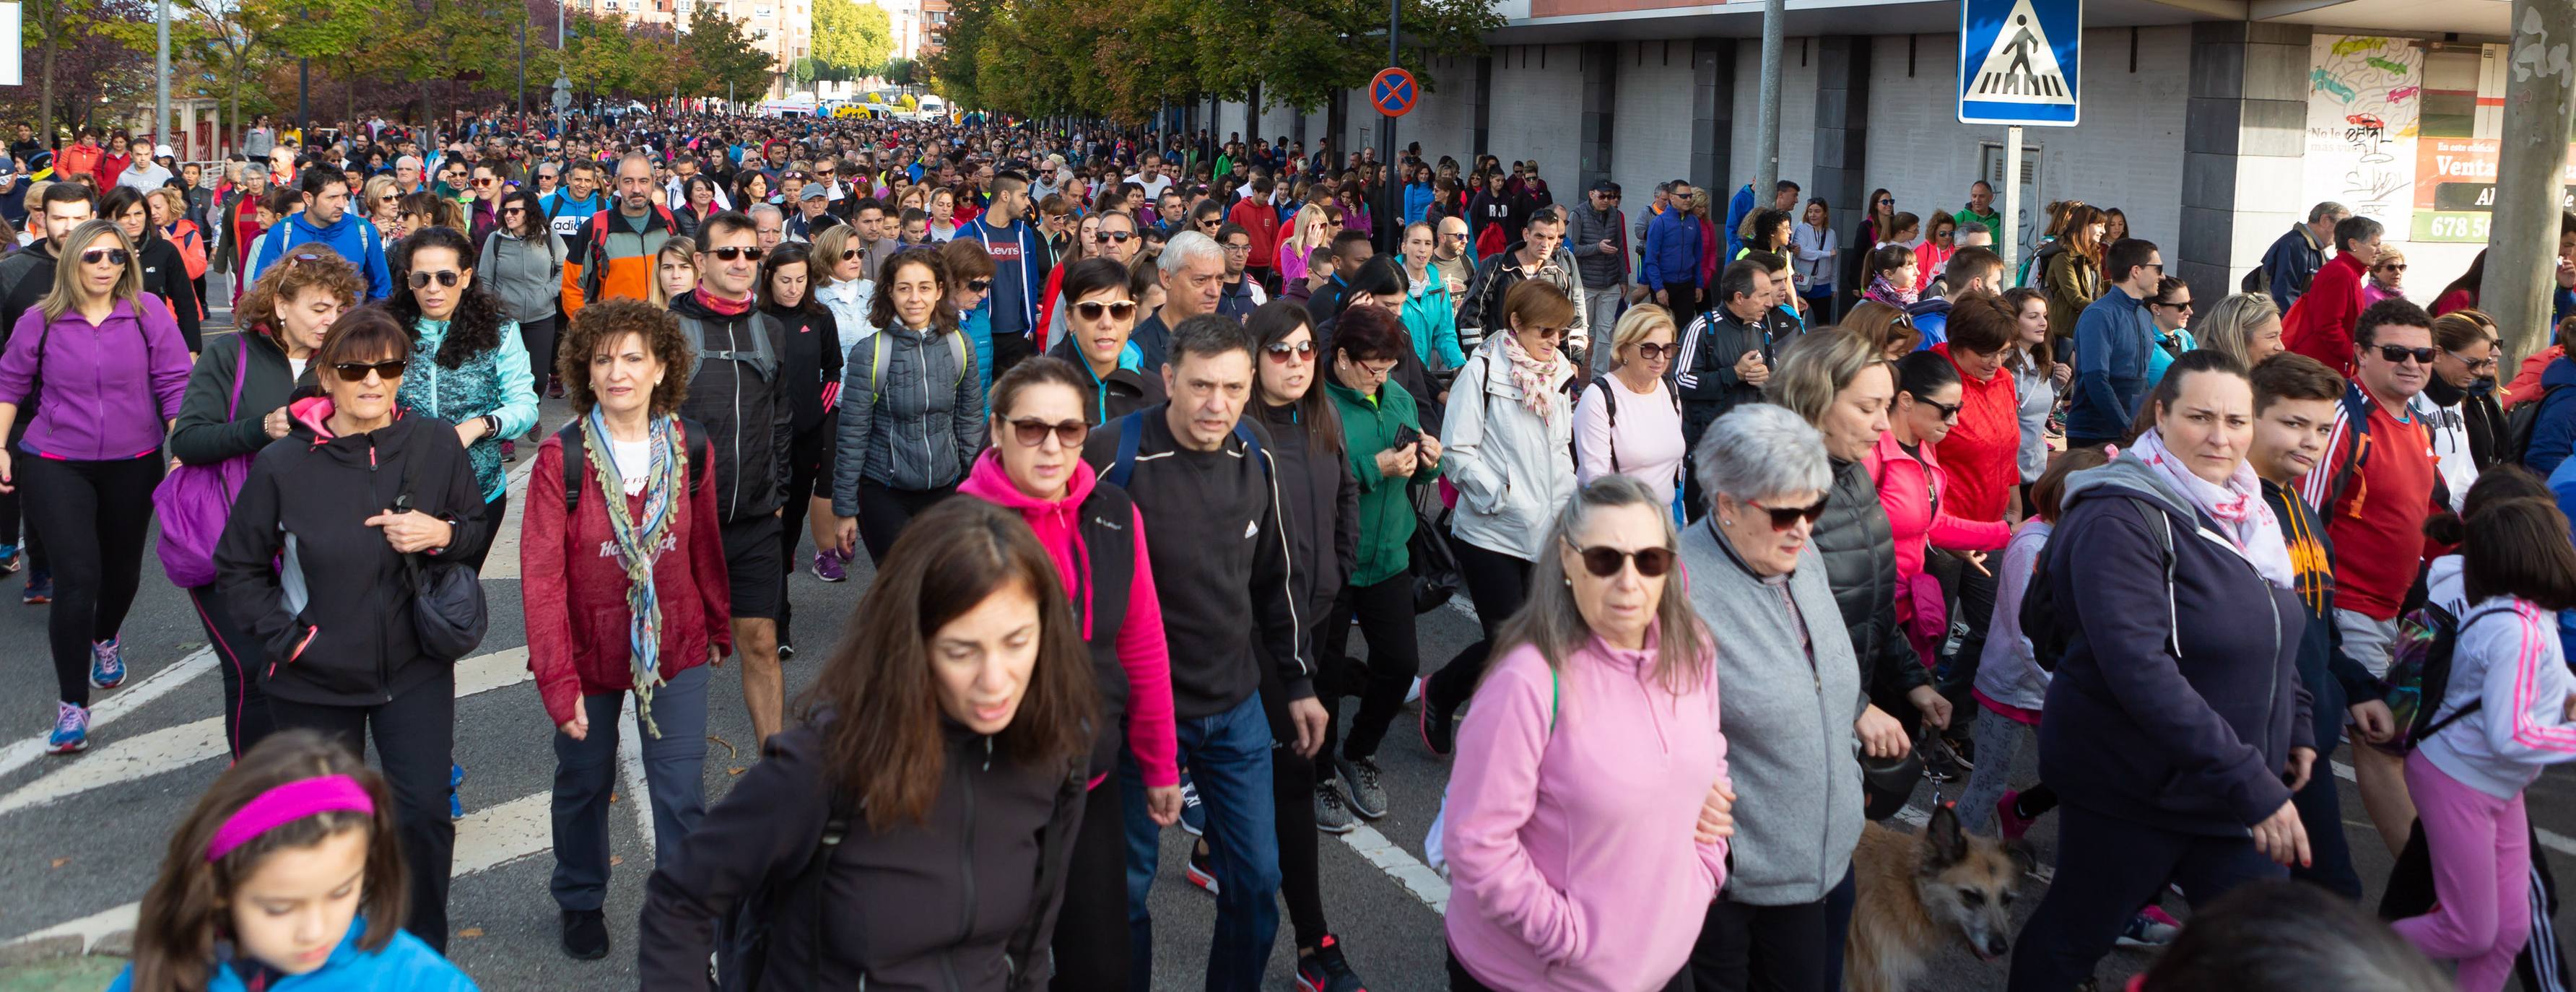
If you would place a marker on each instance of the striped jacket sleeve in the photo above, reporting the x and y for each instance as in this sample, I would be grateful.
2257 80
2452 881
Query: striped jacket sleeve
2315 487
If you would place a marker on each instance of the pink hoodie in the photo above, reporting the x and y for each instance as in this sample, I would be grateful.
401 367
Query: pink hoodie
1141 649
1911 492
1571 809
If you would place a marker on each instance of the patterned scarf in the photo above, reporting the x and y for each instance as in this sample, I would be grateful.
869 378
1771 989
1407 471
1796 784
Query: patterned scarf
1533 376
639 543
1886 292
2237 506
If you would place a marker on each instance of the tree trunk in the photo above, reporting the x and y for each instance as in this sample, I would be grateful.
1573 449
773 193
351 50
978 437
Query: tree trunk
52 27
240 133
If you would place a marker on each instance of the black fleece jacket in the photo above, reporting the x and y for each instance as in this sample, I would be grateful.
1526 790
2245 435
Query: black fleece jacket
202 435
1321 500
746 409
1220 556
1860 563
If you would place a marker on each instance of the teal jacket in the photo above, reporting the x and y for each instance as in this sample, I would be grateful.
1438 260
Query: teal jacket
496 382
1431 317
404 965
1386 507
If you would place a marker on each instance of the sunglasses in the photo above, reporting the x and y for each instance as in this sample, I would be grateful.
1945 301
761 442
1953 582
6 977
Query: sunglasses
2400 267
2488 365
1651 352
1783 518
1606 562
1281 351
1550 333
1106 237
1092 309
513 211
2393 353
445 277
1887 203
1948 411
731 252
112 256
1031 432
357 371
979 285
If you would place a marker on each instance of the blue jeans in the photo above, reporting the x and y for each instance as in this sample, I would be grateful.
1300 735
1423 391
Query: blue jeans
1228 755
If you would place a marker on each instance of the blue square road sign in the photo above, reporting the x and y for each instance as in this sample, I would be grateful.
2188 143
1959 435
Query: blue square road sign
2020 62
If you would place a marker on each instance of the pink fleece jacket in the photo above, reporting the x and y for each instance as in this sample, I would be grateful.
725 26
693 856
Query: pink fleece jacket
1141 649
1572 864
1910 491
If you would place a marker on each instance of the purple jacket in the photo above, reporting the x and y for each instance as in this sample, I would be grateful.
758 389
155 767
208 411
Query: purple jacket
92 379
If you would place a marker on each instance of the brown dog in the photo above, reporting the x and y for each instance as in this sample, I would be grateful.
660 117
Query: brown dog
1917 891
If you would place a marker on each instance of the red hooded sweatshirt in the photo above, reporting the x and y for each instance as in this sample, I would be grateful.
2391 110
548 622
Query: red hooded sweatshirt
574 591
2319 325
1141 648
1981 455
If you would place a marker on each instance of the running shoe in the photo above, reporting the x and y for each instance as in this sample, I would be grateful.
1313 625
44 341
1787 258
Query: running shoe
106 663
1325 971
455 803
11 559
1359 785
1202 869
2008 816
786 650
1439 727
71 729
1413 692
40 588
1331 815
827 567
2151 927
1193 815
455 776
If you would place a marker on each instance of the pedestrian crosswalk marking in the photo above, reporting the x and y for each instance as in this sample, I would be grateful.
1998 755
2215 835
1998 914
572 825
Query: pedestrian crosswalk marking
106 710
2021 67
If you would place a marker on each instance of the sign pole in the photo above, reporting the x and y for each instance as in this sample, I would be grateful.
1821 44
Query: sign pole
1391 211
2010 237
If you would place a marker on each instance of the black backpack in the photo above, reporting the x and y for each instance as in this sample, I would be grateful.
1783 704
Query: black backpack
2050 628
2419 672
2519 424
576 459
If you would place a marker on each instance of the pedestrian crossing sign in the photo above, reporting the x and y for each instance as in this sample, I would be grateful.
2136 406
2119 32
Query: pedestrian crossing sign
2019 61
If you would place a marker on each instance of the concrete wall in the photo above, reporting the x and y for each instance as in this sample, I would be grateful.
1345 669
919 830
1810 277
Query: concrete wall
1538 105
1650 134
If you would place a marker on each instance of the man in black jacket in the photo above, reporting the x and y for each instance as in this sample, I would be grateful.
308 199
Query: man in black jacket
738 393
1203 479
1726 356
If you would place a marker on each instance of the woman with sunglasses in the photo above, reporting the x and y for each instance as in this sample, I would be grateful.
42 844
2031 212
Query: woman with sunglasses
236 405
1100 317
1096 537
1905 465
523 261
840 281
1510 433
2171 310
1759 578
468 366
164 273
1630 422
383 205
1311 229
96 369
811 367
314 563
970 274
1606 663
911 407
2387 277
2458 405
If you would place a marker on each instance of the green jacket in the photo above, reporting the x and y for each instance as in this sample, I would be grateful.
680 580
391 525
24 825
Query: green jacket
1386 508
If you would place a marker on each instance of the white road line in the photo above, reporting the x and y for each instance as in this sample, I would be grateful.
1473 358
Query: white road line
1401 865
117 703
485 839
173 748
2551 839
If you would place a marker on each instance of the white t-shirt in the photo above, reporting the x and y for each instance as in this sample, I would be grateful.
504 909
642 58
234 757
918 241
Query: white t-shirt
295 368
633 459
1154 189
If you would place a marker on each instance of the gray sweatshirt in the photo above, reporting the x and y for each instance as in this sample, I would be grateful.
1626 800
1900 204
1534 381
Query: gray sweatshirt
1792 694
529 276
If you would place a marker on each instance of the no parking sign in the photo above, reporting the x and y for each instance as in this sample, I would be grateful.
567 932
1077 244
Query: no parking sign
1393 92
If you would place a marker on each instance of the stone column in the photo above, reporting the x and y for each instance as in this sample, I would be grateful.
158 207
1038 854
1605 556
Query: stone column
1592 150
2244 140
1712 113
1842 127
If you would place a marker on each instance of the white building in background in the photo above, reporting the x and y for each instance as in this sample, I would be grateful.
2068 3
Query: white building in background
782 28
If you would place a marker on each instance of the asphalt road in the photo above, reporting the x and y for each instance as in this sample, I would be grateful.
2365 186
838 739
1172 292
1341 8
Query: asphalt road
80 836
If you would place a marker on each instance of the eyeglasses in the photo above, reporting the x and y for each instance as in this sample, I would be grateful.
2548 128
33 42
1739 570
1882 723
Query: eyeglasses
357 371
112 256
2488 365
1092 309
1281 351
1652 352
1032 432
1783 518
1606 562
2397 354
2399 267
2183 306
731 252
445 277
979 285
1106 237
1948 411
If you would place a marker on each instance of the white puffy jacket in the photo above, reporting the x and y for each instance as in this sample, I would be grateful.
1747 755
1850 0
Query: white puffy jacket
1512 469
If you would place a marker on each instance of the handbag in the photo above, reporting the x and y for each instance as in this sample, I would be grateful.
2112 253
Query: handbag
448 612
1435 567
194 501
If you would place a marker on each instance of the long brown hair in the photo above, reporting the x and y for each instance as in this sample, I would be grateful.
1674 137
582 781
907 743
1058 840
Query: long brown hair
884 736
2079 236
183 913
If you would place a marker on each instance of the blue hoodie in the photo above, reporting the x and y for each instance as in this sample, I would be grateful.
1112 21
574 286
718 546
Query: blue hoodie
1019 274
1737 208
404 965
1672 250
351 236
2554 434
1417 202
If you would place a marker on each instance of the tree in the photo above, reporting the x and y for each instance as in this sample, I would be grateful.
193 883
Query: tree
721 52
851 36
954 69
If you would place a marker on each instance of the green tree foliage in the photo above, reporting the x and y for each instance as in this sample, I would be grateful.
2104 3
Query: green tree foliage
719 51
851 36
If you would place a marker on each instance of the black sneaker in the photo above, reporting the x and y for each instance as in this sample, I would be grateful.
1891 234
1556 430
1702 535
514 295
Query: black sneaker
1325 971
1359 784
1332 816
1439 726
585 934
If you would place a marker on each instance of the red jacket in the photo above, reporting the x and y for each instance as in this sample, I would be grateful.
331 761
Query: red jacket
80 159
2320 324
1262 221
574 593
1981 455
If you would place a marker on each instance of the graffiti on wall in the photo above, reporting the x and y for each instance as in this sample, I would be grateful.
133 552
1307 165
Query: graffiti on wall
2363 94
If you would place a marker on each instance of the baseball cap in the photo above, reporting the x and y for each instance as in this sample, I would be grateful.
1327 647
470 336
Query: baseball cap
1604 186
163 151
816 191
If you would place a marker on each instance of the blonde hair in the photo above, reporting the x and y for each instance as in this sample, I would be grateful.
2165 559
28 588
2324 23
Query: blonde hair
374 193
2229 326
1306 215
1815 368
683 248
1636 325
826 255
170 199
66 295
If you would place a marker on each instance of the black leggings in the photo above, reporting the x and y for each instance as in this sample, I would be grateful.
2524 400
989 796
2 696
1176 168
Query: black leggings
94 516
809 459
415 736
539 337
884 510
1793 948
1394 655
1091 932
237 656
1292 795
1497 582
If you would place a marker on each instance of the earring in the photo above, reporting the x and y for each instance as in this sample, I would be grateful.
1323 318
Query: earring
1724 522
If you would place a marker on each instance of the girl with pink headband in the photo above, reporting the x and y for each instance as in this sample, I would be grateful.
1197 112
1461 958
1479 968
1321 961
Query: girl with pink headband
286 877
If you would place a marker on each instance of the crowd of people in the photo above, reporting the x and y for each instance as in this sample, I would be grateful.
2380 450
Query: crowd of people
1135 428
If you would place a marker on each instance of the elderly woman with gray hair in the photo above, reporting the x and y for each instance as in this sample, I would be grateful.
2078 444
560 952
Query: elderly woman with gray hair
1793 693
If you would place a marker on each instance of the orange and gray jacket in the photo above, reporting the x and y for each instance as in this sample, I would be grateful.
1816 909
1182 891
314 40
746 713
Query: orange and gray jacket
612 260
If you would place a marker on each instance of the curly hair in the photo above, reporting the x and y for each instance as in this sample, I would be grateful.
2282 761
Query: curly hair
476 324
305 266
943 314
607 322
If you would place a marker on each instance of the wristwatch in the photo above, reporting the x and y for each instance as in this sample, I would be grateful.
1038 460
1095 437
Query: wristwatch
491 425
